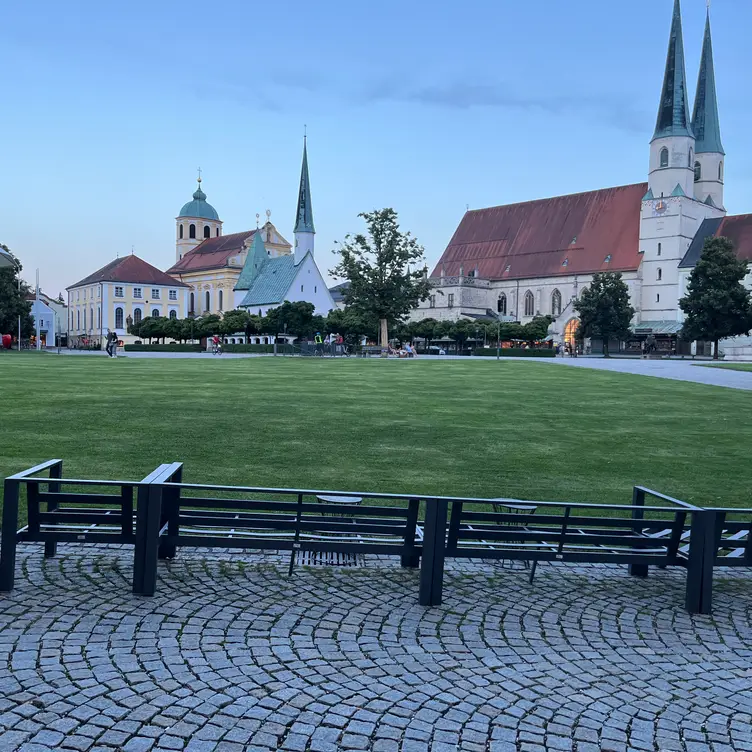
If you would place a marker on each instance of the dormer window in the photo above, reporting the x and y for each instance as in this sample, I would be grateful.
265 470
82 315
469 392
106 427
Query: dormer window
607 260
565 262
509 266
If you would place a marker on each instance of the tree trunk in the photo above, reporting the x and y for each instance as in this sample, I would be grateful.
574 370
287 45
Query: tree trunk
383 333
715 350
605 349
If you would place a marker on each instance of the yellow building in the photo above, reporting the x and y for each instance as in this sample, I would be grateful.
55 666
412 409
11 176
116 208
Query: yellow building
120 293
210 262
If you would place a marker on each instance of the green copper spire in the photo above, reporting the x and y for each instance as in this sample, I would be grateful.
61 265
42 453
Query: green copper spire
304 217
254 262
705 123
673 113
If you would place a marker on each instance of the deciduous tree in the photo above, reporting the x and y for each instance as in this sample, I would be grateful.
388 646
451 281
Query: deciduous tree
13 302
604 309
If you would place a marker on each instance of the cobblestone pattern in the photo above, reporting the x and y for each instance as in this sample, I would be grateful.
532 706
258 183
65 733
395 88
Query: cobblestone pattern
231 655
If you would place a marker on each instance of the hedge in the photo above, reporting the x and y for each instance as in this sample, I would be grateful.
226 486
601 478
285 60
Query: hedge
174 347
515 352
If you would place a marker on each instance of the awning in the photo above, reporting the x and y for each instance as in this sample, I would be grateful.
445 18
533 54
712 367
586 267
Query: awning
658 327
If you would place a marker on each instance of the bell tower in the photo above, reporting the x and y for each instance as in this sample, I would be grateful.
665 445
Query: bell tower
198 220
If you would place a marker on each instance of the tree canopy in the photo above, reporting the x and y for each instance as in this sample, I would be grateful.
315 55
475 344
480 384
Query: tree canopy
13 303
604 309
717 304
385 270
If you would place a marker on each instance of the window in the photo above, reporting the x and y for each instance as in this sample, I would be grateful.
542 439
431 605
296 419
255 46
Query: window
565 262
501 304
301 288
556 303
84 319
99 318
91 317
217 231
529 304
173 314
698 172
180 232
118 318
137 315
155 313
99 292
155 293
221 301
315 288
207 231
691 158
720 171
450 300
193 303
607 260
432 301
208 301
78 319
664 157
118 292
658 298
137 293
660 274
173 294
659 249
192 231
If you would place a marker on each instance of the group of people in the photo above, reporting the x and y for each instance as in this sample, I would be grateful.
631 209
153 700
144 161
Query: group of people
403 351
112 344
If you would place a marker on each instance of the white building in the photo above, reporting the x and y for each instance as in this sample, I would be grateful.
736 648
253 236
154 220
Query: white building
533 258
53 318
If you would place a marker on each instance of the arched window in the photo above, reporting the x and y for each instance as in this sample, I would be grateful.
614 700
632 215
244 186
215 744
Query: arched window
207 231
529 303
664 157
84 319
155 313
698 171
118 318
208 301
173 314
137 315
99 318
220 300
555 303
501 304
180 232
660 274
91 317
192 231
78 319
217 231
193 304
720 171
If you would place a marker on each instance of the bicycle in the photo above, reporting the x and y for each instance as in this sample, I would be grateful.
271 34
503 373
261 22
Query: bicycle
216 349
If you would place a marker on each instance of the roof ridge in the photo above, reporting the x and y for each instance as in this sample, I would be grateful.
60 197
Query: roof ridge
563 195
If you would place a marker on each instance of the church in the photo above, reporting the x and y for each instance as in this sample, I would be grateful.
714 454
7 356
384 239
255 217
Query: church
255 269
535 258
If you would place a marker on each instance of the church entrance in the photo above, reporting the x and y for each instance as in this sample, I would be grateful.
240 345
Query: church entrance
570 331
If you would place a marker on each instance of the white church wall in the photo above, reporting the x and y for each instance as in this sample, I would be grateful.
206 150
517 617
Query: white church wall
309 286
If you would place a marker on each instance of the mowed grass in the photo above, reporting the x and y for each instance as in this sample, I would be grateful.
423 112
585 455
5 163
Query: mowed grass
730 366
475 428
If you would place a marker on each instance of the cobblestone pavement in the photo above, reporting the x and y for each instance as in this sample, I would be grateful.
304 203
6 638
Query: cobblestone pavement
232 655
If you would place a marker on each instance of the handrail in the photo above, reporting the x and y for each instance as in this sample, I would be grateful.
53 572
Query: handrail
665 497
36 469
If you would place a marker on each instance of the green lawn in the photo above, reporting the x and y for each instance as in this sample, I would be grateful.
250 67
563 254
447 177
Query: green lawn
730 366
480 428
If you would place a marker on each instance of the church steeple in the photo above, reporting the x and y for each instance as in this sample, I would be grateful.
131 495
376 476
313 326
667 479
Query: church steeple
673 112
705 122
304 229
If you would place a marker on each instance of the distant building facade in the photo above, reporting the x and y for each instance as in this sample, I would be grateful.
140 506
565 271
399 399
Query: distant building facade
535 258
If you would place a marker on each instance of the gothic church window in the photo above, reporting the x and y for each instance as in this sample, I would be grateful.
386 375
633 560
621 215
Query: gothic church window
501 305
192 231
207 231
698 171
529 303
691 157
664 157
556 303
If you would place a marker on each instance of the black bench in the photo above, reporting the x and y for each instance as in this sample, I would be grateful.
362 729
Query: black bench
732 537
676 534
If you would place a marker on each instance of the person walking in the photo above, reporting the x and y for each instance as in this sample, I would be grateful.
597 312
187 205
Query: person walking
108 347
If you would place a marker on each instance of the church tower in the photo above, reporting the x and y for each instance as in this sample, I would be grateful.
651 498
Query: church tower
709 154
197 221
304 230
670 214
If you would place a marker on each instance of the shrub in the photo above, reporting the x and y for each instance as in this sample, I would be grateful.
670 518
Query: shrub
515 352
173 347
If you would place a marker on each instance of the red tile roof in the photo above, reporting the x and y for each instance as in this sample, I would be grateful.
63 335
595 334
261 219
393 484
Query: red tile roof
563 235
131 269
213 253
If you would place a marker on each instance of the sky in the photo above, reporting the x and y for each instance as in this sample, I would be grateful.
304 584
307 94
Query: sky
108 109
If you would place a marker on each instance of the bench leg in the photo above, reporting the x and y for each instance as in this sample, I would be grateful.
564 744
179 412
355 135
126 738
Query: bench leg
432 563
10 525
638 570
699 593
532 570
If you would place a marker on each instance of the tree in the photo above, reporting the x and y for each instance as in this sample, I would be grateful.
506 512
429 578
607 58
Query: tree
209 325
717 304
537 329
378 268
13 302
235 321
293 318
604 309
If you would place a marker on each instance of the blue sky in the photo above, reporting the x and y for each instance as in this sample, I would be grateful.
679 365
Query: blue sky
109 108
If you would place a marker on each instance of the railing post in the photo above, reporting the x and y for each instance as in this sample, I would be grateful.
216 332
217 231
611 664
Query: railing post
638 513
11 493
699 593
410 558
432 563
170 515
56 471
152 526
